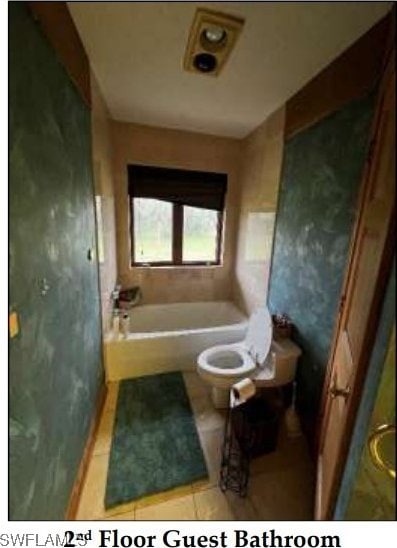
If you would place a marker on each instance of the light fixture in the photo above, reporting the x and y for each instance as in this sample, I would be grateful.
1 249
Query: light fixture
205 62
214 34
211 39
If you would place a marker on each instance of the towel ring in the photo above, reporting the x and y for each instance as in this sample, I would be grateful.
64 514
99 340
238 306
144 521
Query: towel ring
374 449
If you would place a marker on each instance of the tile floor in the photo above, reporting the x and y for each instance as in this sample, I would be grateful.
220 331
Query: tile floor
280 488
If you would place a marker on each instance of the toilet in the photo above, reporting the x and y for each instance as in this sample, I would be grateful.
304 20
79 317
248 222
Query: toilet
267 362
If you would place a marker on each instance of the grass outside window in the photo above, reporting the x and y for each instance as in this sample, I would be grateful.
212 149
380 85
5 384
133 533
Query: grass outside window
164 233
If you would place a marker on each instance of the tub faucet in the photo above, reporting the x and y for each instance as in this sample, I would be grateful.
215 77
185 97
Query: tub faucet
130 297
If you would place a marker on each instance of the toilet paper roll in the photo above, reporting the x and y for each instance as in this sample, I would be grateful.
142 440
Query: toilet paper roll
243 390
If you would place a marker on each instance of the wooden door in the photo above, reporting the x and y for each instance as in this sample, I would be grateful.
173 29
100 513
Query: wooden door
376 475
363 290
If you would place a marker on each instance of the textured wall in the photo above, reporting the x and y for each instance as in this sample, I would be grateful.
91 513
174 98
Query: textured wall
103 178
320 181
170 148
259 180
55 360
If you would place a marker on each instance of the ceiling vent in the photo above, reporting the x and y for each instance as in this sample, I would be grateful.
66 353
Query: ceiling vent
211 40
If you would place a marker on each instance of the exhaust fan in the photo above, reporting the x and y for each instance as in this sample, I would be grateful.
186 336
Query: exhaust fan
211 40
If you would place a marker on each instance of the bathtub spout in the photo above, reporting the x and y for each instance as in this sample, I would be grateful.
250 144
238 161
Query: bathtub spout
130 297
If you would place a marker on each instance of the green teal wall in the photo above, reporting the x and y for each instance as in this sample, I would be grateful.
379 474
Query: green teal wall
321 174
55 363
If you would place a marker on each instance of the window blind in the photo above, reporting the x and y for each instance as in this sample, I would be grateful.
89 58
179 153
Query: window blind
180 186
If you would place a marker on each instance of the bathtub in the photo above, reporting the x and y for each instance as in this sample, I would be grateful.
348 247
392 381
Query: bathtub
169 337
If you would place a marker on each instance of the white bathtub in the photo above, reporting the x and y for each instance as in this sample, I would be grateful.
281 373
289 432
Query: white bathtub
169 337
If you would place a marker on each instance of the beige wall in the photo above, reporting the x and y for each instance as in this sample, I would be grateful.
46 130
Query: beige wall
171 148
259 181
103 179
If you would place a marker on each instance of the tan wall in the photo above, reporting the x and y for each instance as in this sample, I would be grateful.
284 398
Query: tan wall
171 148
260 174
103 179
353 74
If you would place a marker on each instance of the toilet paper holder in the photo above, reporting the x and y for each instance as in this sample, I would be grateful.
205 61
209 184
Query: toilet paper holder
242 391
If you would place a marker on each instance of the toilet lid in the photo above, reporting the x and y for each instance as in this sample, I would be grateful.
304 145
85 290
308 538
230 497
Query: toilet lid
259 334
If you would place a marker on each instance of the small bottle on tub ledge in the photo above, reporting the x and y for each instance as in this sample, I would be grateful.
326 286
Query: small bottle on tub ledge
116 323
125 324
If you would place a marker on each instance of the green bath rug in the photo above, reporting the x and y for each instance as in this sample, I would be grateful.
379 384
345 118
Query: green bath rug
155 445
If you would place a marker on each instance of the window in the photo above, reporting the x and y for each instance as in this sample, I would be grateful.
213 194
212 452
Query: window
176 216
152 230
200 234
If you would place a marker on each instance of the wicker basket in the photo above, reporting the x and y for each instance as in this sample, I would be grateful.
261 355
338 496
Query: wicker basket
282 329
282 332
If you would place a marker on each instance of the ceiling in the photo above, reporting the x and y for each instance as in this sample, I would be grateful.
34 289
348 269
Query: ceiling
137 48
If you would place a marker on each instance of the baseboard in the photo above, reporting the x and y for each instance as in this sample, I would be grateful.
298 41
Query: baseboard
89 446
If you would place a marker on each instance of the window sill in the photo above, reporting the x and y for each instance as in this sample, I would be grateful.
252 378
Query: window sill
194 266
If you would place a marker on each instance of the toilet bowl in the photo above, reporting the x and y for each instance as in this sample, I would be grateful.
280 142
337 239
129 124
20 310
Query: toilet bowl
266 362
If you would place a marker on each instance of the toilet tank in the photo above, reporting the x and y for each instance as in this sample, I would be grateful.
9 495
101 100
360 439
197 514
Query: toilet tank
286 355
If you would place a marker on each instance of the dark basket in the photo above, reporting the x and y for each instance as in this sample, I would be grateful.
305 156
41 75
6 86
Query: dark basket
282 327
282 332
255 425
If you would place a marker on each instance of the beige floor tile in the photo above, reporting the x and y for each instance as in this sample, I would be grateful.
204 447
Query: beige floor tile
242 507
126 516
91 505
103 439
195 385
111 397
289 453
205 415
283 494
211 443
212 504
281 483
176 509
163 496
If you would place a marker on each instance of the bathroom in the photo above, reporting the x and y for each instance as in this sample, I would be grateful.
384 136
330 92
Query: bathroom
285 167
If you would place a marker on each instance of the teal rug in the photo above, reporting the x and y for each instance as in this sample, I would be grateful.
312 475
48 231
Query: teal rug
155 445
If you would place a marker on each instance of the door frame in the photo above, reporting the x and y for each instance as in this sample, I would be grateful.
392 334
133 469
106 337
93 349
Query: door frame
375 308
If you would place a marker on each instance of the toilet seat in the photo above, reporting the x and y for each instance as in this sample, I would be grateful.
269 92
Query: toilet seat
249 353
245 365
225 364
266 362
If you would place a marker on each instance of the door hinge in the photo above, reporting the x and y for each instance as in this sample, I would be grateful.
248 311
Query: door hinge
336 392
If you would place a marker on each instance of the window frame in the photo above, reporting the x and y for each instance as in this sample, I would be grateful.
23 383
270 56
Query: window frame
177 241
